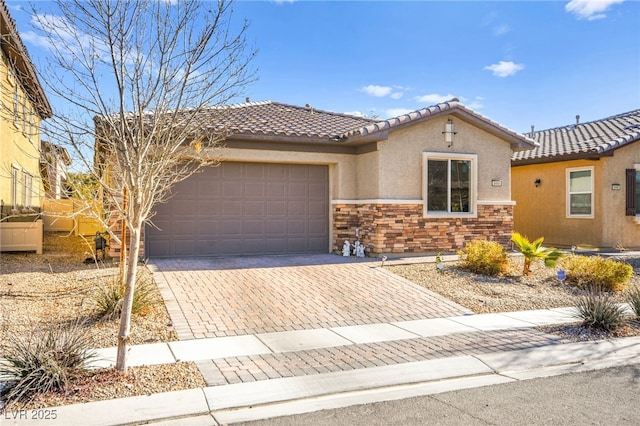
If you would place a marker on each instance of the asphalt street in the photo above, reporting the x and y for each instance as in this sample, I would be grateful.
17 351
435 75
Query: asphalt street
603 397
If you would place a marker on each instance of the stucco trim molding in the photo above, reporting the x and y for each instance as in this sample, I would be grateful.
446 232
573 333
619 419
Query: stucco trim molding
495 203
379 201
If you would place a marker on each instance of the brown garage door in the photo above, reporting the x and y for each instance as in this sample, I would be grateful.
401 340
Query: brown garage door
244 209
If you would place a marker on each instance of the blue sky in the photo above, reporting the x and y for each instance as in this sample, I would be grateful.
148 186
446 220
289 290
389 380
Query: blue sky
518 63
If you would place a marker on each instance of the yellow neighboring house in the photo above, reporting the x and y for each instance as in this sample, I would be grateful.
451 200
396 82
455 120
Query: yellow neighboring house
581 185
23 105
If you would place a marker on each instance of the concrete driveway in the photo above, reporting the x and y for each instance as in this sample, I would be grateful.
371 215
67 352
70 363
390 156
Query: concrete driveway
215 297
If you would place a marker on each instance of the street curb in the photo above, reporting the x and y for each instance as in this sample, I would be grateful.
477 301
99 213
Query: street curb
294 395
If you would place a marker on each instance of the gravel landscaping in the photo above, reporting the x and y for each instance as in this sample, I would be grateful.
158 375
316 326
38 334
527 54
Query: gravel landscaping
58 287
506 293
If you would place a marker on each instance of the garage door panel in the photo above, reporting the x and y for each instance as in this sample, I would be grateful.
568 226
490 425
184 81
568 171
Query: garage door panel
244 208
253 227
295 208
233 189
254 189
230 227
276 208
276 189
207 208
254 208
275 227
232 208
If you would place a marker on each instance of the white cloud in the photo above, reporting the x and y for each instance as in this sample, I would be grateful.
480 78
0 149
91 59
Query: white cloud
377 91
500 30
504 68
355 113
590 9
397 95
476 103
396 112
434 98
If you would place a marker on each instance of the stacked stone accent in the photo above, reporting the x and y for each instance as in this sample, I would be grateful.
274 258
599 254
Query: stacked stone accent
401 228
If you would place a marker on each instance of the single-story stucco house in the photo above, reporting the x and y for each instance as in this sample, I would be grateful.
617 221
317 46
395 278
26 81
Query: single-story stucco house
299 180
581 185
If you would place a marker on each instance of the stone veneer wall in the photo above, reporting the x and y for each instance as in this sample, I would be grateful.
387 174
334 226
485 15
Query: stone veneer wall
401 228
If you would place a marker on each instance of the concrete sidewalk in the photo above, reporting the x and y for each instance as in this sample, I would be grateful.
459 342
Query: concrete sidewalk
278 396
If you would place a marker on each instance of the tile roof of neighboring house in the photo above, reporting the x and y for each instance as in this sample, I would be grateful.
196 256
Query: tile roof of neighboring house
277 120
14 47
582 140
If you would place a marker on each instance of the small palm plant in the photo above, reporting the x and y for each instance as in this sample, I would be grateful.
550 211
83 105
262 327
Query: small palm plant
535 250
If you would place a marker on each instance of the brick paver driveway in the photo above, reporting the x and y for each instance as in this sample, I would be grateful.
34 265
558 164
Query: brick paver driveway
215 297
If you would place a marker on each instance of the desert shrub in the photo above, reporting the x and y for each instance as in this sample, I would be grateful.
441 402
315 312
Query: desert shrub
43 360
587 271
598 309
109 298
535 250
633 297
484 257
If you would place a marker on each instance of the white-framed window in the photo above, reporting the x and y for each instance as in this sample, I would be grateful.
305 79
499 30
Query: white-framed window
16 105
27 189
450 184
580 192
14 187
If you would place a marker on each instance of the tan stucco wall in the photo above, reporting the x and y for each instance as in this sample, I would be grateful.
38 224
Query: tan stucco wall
400 159
541 211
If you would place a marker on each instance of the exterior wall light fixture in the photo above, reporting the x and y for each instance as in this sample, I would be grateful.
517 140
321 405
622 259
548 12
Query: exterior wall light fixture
537 182
448 133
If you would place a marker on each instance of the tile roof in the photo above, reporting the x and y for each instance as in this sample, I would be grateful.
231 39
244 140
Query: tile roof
281 120
264 119
15 49
452 106
582 140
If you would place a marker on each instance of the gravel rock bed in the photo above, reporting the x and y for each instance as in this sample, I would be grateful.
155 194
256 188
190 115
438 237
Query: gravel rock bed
507 293
57 287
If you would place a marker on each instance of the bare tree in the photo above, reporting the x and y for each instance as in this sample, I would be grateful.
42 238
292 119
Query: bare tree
144 83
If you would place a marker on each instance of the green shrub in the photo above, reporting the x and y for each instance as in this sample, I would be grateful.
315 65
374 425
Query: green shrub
598 309
109 298
633 297
484 257
587 271
44 360
535 250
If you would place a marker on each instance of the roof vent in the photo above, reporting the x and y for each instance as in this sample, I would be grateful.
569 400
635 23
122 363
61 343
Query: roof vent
532 130
247 100
578 119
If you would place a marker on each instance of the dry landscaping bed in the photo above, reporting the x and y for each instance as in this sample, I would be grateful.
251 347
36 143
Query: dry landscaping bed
57 287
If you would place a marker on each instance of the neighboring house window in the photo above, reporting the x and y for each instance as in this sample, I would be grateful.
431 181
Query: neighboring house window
14 188
450 184
16 105
580 192
27 189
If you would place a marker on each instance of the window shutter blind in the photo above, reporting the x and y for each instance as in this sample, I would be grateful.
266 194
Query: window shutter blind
631 192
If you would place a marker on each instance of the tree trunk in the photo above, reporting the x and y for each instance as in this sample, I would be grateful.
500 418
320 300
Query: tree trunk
127 303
